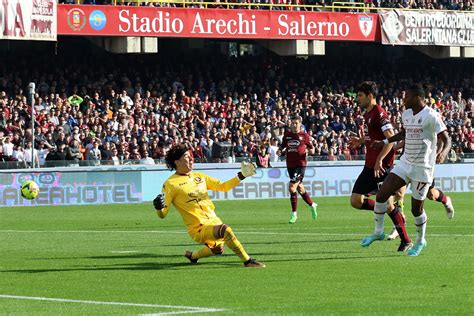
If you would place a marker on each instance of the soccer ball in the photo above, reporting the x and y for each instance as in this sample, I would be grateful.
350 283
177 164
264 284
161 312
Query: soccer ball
29 190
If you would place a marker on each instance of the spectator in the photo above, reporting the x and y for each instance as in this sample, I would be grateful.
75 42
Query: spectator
146 159
75 100
56 158
94 155
7 147
115 159
19 155
43 151
337 125
263 157
273 150
106 153
31 152
73 153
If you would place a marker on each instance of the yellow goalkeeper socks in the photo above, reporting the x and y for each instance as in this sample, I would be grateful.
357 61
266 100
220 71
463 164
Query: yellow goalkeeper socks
202 253
234 244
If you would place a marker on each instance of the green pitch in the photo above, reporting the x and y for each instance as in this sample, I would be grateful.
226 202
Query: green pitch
124 260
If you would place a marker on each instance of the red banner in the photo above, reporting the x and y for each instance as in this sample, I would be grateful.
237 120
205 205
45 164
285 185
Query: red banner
215 23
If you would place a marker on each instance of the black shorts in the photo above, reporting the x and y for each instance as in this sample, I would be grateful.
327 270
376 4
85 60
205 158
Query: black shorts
296 174
367 183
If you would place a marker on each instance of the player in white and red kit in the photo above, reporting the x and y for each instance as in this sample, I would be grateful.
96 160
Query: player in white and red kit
434 194
378 161
426 143
295 144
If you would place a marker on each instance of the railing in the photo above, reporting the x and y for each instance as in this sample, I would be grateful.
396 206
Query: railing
349 5
334 6
6 165
227 5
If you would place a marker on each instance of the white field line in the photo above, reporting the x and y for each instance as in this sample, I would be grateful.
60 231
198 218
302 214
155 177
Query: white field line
351 227
183 312
186 309
174 232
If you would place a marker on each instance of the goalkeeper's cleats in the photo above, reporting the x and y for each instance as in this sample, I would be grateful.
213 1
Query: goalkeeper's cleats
449 208
293 218
371 238
189 254
417 248
252 263
314 210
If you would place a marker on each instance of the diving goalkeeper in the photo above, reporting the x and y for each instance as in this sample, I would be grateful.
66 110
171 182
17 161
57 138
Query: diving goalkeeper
187 191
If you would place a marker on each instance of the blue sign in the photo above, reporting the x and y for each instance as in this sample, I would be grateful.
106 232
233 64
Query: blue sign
97 20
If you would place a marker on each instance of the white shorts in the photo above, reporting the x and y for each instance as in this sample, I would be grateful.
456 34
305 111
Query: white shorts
419 177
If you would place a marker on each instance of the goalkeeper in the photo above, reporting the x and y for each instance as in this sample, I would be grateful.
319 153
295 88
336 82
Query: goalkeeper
187 191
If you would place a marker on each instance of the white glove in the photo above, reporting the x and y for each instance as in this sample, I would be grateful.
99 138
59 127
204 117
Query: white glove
247 169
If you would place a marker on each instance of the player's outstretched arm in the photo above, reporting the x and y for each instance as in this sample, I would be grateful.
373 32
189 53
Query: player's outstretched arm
247 169
444 145
395 138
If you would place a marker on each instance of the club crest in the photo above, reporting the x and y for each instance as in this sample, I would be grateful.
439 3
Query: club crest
366 24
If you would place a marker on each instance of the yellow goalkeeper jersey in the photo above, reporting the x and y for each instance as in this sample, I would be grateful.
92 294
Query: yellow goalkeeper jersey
188 193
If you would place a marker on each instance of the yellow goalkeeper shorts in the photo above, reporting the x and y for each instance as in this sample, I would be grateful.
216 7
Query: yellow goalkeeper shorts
205 235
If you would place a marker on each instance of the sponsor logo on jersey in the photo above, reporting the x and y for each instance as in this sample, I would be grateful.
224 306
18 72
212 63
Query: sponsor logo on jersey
415 130
294 143
193 194
197 196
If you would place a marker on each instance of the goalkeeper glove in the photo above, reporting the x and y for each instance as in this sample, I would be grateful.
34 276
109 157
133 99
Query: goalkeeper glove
247 169
159 202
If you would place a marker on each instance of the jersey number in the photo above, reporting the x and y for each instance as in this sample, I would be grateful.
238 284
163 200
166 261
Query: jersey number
420 186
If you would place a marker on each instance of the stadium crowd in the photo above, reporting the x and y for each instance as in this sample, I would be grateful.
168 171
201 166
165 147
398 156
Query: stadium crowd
130 108
464 5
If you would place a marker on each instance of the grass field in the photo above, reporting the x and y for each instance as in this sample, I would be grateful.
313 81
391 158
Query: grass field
122 260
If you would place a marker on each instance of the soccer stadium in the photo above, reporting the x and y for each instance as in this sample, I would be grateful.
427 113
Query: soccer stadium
258 157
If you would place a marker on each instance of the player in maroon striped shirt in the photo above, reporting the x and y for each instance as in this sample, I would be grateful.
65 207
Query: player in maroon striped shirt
295 144
378 162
